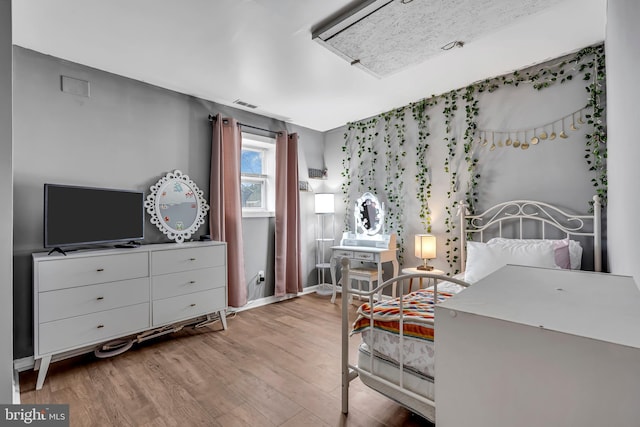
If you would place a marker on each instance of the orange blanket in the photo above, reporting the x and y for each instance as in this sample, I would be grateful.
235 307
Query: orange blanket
417 315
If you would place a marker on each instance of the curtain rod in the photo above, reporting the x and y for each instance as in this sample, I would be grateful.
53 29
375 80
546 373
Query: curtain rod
213 118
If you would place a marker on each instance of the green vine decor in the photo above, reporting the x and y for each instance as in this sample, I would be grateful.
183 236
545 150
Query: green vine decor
450 108
472 111
423 176
597 140
394 173
347 180
367 155
362 139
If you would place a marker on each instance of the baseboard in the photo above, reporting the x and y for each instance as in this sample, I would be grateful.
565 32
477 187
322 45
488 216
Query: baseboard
27 363
16 388
24 364
260 302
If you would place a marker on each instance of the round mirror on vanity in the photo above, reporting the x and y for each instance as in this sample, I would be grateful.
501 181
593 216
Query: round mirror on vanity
177 206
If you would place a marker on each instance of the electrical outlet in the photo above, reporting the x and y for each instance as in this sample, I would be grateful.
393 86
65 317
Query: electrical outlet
260 276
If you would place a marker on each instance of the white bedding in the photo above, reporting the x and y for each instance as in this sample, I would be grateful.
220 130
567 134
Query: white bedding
418 354
384 368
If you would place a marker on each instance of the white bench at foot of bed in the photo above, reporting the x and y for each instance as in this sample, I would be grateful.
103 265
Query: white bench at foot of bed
531 346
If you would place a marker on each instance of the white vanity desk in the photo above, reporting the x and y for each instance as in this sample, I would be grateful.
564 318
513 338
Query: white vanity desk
362 253
368 243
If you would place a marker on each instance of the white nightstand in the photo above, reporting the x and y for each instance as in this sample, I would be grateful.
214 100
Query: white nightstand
413 270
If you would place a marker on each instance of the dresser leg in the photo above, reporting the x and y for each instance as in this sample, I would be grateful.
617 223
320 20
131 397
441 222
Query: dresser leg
223 319
44 367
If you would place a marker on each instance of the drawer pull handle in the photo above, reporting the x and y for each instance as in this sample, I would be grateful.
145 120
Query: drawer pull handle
192 259
192 305
100 326
192 282
100 269
100 298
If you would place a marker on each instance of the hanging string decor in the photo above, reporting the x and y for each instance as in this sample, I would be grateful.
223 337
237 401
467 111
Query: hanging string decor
374 150
537 134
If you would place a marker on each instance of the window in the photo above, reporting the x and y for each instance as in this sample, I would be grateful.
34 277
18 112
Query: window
257 169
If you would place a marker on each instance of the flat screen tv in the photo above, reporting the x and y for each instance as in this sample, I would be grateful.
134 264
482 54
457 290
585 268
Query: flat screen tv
75 216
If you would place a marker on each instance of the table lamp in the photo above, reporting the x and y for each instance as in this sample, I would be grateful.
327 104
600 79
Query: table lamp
425 245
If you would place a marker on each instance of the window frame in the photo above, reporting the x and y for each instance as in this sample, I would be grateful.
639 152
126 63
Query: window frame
267 146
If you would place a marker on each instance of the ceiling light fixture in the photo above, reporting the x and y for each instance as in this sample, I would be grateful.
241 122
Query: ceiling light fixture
451 45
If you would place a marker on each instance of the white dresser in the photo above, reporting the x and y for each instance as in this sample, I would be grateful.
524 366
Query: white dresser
92 296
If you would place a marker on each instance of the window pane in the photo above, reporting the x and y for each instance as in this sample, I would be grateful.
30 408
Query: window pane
251 162
251 194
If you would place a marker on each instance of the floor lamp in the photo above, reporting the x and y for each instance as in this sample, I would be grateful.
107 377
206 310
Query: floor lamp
324 207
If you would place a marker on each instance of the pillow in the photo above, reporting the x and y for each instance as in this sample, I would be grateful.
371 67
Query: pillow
561 251
575 249
485 258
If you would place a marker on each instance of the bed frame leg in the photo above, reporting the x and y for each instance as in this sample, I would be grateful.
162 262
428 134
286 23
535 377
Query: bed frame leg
345 335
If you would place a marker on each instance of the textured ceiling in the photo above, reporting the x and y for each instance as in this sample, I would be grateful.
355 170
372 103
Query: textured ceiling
262 51
396 35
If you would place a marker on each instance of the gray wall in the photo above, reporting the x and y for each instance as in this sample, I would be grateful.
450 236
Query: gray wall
127 135
623 92
552 171
6 208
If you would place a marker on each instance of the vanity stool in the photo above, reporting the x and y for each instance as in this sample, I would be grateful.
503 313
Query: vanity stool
364 274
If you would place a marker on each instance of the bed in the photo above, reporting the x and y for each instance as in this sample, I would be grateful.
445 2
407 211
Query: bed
396 355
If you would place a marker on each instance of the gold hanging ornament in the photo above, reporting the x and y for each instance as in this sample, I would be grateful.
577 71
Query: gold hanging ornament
553 132
563 135
543 135
525 144
536 137
516 143
573 122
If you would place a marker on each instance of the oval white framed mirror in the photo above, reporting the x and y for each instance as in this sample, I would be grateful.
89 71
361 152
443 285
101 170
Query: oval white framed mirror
177 206
369 215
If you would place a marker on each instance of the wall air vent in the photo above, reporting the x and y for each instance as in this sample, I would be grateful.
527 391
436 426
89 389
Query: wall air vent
245 104
383 37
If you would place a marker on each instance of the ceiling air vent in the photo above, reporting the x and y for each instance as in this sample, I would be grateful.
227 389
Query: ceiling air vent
245 104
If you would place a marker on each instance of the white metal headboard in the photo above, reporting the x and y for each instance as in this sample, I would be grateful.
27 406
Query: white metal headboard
522 211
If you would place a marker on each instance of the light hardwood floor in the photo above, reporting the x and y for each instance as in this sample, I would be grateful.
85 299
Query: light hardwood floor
277 365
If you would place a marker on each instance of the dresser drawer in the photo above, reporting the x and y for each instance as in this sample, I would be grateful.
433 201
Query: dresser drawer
74 332
340 254
60 304
67 273
364 256
183 307
186 282
175 260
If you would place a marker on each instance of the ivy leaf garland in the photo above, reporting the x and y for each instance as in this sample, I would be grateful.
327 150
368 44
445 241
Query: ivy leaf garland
394 173
450 108
423 175
360 139
347 181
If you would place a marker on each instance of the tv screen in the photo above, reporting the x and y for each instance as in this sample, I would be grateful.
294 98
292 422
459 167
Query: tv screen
83 215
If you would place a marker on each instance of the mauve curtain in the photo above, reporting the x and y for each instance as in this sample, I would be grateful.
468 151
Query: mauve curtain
225 216
288 261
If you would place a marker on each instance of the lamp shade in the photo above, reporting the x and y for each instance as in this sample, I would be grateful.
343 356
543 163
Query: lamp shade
324 203
425 246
